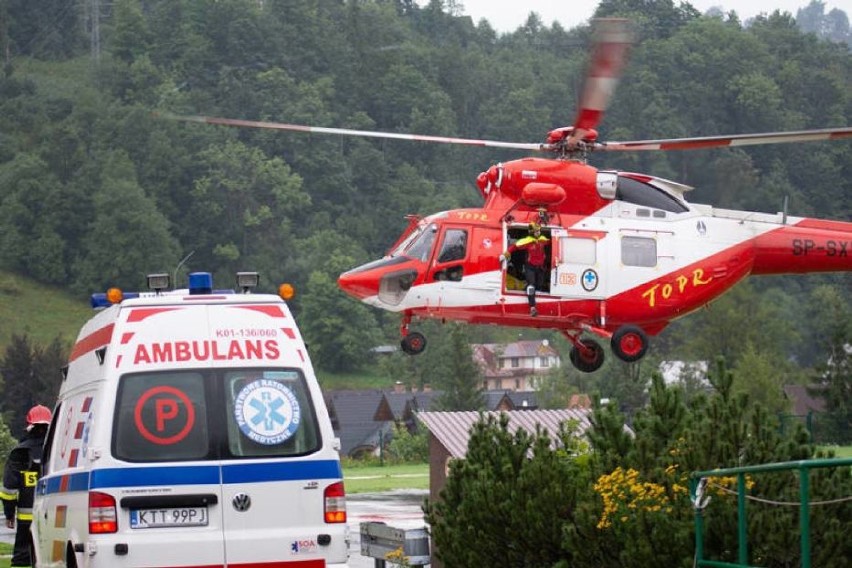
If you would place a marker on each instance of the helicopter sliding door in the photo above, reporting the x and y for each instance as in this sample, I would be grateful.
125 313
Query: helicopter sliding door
579 264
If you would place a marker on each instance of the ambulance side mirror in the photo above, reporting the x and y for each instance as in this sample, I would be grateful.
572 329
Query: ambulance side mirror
335 444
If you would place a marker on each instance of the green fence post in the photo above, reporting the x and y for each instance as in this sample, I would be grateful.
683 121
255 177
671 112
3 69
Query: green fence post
741 519
805 515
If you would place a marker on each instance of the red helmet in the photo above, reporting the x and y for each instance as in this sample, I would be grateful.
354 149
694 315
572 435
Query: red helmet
38 415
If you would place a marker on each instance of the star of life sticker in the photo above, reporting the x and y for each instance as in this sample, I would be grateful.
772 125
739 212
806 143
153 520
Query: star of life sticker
267 412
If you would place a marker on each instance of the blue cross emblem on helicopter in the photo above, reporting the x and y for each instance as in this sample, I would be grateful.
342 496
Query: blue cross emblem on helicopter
267 412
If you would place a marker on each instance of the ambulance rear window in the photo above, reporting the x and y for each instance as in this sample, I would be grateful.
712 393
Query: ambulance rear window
269 414
161 417
213 414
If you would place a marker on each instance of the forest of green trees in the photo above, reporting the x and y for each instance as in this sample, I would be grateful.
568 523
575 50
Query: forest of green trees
97 188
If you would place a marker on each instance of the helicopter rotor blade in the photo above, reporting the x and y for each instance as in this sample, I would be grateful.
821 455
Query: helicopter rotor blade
612 39
361 133
727 141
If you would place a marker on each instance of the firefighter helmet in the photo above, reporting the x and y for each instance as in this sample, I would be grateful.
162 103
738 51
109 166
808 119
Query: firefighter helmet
38 415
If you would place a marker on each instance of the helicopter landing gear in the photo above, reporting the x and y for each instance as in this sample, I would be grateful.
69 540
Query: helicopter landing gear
414 342
629 343
587 355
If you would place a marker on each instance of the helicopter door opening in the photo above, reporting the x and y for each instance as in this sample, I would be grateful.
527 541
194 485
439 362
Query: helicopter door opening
515 281
579 264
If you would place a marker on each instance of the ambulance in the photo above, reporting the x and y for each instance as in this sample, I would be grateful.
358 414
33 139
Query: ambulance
190 431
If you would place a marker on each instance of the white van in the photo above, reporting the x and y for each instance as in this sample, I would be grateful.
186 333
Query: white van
190 430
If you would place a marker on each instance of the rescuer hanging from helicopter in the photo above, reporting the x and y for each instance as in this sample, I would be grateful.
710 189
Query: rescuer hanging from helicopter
535 265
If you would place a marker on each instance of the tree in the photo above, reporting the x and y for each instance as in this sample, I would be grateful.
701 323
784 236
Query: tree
457 376
507 501
31 375
128 237
833 383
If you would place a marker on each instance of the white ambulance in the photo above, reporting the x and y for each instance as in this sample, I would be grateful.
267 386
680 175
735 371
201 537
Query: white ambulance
190 431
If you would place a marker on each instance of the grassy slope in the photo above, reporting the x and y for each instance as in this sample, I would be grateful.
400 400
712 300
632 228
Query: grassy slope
41 312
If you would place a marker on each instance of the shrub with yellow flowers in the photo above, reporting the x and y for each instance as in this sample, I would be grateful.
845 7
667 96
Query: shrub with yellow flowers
624 495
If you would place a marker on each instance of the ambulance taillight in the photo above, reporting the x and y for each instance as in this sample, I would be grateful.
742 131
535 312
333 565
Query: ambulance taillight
103 517
335 503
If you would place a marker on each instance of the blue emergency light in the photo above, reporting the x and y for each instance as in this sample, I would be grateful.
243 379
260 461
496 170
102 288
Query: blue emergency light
200 283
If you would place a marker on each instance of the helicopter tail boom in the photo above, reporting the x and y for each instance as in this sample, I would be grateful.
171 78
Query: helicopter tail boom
812 245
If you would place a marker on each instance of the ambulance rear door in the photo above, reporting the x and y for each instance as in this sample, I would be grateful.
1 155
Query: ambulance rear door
278 464
165 471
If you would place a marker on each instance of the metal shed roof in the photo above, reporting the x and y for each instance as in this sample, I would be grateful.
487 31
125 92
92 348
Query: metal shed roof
452 429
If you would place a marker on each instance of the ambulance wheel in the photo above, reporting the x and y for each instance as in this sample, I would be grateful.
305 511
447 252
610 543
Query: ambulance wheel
414 343
588 357
629 343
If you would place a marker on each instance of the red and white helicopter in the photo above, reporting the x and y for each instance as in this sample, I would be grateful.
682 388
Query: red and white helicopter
627 255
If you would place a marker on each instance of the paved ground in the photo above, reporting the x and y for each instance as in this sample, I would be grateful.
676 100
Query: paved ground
398 509
6 535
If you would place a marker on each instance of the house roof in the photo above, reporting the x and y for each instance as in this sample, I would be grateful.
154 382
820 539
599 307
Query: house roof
580 401
452 429
515 400
803 401
353 412
400 405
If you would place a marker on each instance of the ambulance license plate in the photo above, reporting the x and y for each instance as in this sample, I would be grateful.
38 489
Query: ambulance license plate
175 517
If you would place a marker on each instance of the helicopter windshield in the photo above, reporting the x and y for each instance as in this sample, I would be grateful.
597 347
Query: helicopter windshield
418 244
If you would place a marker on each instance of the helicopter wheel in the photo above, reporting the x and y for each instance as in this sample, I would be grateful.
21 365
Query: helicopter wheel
629 343
414 343
588 356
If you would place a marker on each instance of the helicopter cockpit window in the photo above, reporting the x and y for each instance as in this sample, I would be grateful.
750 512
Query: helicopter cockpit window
633 191
421 247
454 246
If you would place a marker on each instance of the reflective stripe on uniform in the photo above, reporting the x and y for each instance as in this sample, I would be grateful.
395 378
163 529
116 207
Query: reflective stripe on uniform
8 494
25 516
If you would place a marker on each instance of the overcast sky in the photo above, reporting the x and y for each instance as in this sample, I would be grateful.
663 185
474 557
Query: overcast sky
508 15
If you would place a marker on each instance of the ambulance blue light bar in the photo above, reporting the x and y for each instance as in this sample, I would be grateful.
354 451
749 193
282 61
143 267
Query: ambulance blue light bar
200 283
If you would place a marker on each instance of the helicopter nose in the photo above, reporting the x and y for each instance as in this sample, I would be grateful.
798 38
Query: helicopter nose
359 283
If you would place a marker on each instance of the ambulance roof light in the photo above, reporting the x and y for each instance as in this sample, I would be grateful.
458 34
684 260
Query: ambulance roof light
111 297
159 282
200 283
247 280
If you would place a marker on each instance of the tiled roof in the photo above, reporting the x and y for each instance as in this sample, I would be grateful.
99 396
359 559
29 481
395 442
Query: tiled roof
452 429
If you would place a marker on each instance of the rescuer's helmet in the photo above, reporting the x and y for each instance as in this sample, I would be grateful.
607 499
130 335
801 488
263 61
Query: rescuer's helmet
38 414
535 227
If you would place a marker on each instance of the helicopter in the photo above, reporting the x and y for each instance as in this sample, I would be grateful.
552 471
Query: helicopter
626 253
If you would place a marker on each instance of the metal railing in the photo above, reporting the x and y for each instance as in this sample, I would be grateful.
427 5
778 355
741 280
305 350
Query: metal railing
697 484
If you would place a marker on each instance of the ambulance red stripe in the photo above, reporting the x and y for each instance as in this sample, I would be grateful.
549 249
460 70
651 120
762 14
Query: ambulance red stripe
91 342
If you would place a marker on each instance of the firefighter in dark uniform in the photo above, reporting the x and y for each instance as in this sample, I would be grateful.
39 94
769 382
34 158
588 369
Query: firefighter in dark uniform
19 482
